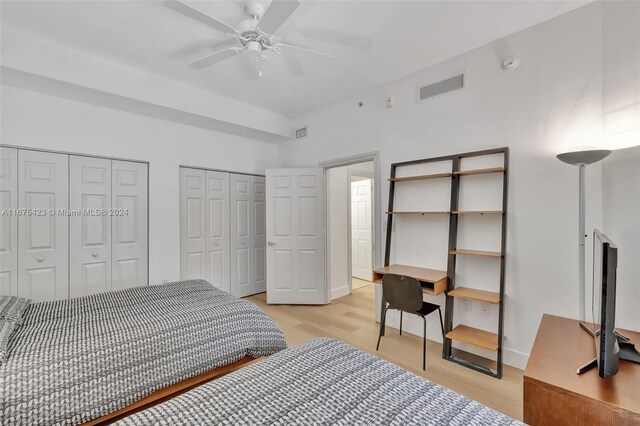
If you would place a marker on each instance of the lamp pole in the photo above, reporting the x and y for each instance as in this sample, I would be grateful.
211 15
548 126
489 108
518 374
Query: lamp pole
582 159
581 241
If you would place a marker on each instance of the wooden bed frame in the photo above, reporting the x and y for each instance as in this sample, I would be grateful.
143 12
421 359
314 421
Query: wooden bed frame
169 392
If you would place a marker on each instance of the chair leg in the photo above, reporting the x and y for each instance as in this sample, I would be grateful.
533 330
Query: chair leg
382 326
424 344
441 323
401 323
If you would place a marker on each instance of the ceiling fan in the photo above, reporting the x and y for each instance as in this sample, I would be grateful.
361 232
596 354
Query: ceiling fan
256 34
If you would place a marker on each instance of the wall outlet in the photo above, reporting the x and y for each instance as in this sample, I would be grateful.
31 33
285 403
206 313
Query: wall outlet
467 306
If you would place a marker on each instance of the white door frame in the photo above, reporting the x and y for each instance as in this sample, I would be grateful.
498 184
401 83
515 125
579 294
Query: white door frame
377 219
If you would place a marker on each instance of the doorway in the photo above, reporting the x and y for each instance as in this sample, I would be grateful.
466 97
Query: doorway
350 227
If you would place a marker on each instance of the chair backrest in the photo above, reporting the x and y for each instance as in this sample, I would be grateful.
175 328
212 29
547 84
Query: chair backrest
401 292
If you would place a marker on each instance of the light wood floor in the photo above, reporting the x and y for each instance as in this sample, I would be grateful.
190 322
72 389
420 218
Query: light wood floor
357 283
352 319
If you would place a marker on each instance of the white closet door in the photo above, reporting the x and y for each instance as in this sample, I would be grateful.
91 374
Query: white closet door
241 236
193 260
43 246
217 226
129 252
259 235
8 222
90 231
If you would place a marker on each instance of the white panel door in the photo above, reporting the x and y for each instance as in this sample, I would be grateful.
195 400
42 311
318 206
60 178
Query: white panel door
295 215
361 230
193 241
241 235
129 225
217 228
8 222
259 234
90 229
43 245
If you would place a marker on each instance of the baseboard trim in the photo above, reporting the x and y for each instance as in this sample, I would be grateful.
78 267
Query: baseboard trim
339 292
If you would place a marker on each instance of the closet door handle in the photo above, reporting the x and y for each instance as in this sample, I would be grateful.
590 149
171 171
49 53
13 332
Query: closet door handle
271 243
40 259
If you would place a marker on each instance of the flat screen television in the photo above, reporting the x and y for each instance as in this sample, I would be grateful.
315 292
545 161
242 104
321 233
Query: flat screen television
610 346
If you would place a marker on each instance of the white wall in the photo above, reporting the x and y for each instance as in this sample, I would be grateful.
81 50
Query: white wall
32 119
551 103
621 223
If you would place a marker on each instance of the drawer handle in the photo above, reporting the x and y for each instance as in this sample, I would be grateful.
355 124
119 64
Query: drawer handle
40 259
94 254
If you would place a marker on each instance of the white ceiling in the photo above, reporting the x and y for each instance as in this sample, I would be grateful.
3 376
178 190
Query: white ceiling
407 36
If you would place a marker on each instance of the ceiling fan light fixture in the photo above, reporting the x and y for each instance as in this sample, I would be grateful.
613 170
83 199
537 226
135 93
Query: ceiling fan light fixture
254 46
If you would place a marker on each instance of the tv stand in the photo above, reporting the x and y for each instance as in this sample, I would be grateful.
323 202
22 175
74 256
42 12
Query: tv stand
555 395
628 351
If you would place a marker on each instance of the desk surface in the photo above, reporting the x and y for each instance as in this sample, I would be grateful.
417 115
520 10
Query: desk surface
561 346
421 274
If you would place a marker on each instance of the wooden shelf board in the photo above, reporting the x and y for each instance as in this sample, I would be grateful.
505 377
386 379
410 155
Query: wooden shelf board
475 295
420 213
479 171
420 177
481 212
477 253
474 336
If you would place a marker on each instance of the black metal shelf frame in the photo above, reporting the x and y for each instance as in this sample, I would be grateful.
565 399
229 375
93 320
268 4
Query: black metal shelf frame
453 238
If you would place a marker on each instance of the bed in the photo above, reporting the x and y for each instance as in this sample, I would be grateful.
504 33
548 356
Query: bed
81 360
322 382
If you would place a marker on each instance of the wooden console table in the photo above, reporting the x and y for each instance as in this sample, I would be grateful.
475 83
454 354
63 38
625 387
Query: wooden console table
555 395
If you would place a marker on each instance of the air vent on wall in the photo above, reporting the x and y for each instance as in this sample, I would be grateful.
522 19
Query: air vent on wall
444 86
301 133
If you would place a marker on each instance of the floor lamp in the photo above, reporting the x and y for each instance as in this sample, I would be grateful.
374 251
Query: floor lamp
582 159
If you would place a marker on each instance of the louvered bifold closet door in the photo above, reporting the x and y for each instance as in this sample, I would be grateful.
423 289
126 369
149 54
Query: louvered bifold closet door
259 234
193 241
8 222
43 235
89 226
241 235
217 228
129 232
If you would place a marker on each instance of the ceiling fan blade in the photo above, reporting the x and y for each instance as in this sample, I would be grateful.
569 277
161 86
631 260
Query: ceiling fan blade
278 12
346 39
294 65
224 44
214 58
293 48
194 13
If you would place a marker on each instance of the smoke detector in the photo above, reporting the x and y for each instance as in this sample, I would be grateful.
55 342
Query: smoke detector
510 63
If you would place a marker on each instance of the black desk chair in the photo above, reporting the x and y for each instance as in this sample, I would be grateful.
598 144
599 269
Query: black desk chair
405 295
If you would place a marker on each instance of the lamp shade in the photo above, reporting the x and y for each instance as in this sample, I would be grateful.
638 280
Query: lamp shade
584 157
